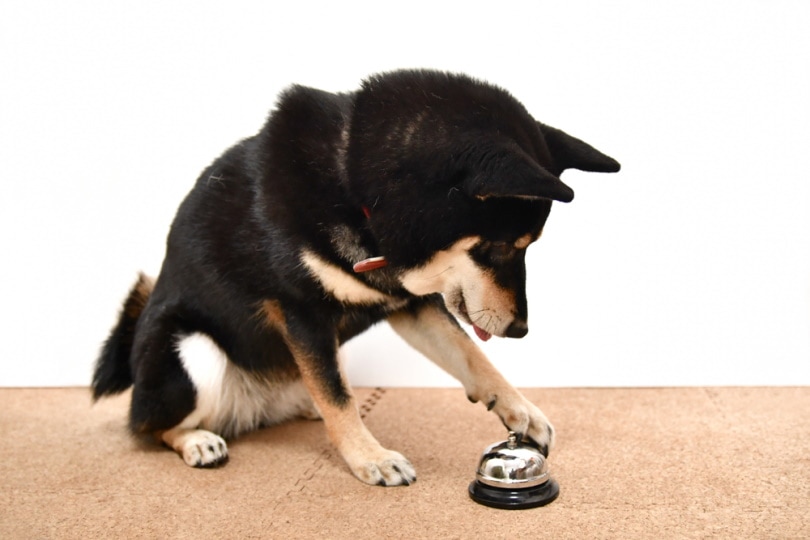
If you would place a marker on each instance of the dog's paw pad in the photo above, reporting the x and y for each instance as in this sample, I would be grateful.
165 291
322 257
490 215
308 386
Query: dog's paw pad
204 449
391 469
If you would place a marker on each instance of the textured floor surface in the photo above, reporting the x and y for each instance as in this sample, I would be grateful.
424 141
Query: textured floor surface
631 463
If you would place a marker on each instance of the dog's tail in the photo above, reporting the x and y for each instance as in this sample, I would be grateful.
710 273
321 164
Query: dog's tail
113 373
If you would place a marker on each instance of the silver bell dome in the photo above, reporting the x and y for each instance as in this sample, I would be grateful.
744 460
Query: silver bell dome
513 474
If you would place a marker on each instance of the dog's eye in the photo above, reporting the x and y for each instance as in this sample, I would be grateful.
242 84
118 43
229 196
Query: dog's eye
493 253
501 250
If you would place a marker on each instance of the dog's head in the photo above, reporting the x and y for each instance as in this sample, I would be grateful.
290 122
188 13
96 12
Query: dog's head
459 180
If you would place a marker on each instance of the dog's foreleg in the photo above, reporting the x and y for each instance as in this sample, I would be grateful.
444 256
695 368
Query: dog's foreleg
432 331
327 385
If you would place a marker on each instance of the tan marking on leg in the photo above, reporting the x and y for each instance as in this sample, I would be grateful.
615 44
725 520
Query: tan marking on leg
273 315
366 458
364 455
270 313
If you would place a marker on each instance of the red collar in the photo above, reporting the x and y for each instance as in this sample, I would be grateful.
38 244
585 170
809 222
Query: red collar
372 263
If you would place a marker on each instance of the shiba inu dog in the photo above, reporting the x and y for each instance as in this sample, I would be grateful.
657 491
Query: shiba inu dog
411 200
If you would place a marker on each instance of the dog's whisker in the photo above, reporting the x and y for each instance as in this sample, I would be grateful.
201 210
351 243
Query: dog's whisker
482 314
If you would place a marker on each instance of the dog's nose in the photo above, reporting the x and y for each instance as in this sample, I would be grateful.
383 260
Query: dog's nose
517 329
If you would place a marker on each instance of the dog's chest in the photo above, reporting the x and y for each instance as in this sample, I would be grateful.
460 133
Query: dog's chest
346 287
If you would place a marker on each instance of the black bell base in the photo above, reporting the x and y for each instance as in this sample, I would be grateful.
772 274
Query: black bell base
514 499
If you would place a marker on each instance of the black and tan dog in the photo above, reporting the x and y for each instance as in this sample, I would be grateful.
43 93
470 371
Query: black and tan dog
411 200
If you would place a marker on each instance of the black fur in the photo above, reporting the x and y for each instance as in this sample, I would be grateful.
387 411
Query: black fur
432 158
113 373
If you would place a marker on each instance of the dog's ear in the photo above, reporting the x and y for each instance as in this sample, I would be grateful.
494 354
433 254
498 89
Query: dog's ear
571 153
502 172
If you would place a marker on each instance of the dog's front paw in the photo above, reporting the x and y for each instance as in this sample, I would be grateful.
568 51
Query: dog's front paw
384 468
524 418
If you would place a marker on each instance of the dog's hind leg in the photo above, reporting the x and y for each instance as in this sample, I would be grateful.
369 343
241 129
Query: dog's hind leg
168 399
197 447
204 364
431 330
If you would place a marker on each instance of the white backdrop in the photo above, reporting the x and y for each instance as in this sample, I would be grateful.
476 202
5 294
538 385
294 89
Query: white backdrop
690 267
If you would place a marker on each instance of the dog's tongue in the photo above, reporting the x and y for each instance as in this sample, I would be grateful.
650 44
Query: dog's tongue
482 334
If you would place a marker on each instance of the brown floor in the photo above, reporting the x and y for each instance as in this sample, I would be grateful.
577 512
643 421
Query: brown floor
640 463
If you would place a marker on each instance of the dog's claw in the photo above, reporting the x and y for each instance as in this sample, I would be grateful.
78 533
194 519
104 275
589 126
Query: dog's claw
198 448
492 402
543 448
222 460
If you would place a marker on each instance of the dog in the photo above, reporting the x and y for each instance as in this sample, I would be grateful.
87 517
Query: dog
411 200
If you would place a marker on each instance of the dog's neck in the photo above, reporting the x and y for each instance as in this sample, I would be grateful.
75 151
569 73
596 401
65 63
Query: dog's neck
371 263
